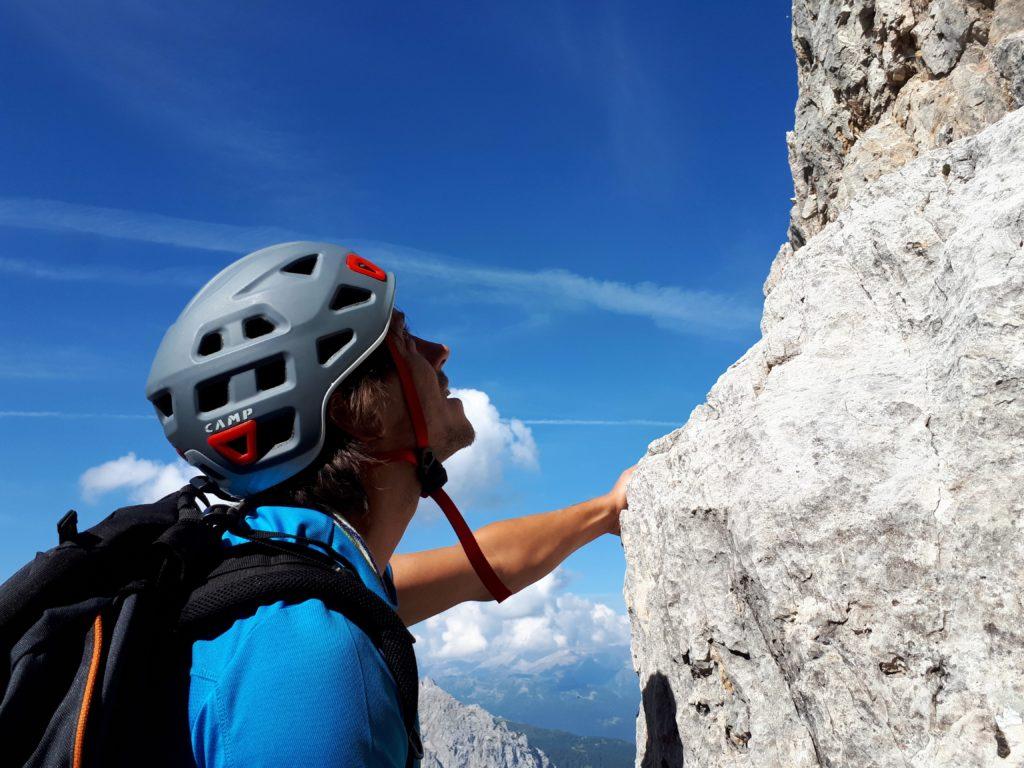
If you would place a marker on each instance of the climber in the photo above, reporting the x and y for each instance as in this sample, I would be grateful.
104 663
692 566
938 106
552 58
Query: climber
293 383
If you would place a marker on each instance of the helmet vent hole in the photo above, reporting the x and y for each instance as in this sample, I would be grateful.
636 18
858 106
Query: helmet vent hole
349 295
275 429
328 347
212 394
254 327
163 404
210 343
271 373
303 266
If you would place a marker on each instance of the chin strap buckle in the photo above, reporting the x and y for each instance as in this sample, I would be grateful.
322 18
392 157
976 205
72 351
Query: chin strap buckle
431 472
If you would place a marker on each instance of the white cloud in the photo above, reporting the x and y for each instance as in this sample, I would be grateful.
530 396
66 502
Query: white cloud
462 637
531 625
475 471
145 480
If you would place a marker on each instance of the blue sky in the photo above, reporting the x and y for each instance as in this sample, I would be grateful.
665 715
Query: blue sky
581 199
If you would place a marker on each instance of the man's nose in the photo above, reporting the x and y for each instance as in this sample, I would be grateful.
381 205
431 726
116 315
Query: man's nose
436 353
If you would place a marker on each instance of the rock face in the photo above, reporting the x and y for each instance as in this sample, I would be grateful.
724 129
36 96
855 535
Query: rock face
825 565
884 80
460 736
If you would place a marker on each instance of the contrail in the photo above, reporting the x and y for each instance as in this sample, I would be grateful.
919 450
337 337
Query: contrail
65 415
601 422
674 308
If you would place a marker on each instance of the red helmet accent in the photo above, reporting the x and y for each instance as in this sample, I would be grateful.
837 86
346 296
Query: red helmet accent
365 267
224 442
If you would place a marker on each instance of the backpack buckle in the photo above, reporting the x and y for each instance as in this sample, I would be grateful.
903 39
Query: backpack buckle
221 517
67 527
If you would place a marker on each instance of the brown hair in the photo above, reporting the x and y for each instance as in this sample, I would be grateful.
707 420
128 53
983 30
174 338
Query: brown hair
332 483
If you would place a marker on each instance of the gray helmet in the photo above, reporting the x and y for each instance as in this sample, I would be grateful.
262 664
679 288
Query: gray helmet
241 380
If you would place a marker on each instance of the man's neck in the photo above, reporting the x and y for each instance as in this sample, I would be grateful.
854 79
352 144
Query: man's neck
393 493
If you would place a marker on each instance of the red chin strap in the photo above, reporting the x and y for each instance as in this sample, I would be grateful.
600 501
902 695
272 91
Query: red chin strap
432 477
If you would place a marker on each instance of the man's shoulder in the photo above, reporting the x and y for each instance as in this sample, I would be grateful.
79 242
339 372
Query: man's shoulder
261 680
279 637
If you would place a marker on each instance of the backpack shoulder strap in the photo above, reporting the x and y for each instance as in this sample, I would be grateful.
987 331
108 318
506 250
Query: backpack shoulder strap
253 575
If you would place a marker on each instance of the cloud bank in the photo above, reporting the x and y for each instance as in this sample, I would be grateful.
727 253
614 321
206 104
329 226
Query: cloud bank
529 626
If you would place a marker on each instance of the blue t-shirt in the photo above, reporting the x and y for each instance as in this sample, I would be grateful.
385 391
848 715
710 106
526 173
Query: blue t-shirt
297 684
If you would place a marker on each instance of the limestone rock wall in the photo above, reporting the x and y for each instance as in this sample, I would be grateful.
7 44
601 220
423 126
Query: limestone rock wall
825 565
883 80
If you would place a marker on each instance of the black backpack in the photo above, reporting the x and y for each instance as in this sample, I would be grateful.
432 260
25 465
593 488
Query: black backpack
97 632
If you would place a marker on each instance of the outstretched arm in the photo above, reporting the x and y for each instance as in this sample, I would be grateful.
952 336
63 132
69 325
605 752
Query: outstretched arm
521 550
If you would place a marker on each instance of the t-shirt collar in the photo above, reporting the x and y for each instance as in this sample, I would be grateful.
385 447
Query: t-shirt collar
339 535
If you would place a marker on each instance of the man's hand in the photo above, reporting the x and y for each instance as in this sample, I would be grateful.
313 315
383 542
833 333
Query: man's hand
616 500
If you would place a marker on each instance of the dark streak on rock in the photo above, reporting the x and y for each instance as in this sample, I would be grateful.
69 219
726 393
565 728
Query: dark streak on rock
1002 746
752 593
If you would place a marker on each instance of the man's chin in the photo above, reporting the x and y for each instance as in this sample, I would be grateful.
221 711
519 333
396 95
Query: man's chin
460 436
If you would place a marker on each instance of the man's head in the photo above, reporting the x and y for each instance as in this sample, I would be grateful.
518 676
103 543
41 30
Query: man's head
367 416
283 360
447 425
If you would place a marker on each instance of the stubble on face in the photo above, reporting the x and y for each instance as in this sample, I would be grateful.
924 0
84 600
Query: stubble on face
456 431
459 432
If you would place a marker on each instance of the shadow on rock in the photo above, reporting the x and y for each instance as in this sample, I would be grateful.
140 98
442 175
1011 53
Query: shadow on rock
664 749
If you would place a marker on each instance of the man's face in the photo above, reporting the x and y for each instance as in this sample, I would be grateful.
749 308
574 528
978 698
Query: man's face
449 429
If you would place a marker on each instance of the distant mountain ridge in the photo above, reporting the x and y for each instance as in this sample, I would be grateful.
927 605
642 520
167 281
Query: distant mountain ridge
456 735
592 694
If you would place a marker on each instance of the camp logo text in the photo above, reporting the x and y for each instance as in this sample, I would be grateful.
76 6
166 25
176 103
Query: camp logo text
233 418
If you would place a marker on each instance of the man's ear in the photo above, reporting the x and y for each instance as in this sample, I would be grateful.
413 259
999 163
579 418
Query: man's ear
360 426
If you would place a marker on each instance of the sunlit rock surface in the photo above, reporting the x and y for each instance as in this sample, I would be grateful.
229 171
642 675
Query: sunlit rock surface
884 80
460 736
825 565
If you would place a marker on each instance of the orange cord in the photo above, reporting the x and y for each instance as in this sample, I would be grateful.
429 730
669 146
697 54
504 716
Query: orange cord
90 684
